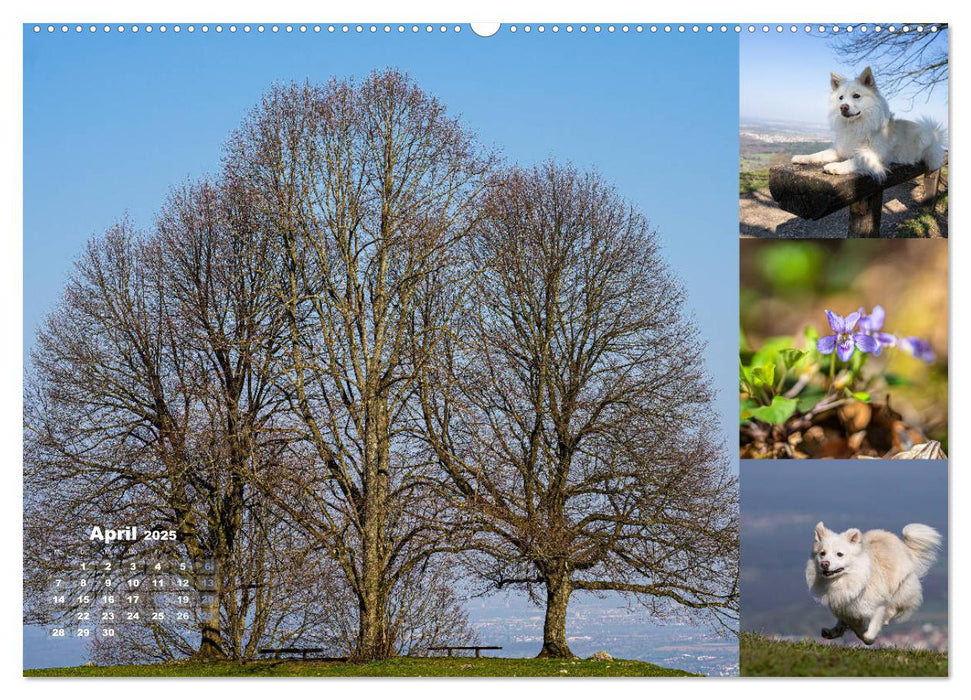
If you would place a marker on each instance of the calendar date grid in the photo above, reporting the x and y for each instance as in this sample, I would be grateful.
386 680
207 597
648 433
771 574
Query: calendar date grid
96 598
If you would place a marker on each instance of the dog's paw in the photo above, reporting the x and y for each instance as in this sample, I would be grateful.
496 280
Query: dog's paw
837 169
868 640
831 633
801 160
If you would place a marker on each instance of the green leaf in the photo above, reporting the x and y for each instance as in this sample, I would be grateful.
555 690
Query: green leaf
790 356
764 375
808 402
861 396
745 373
779 411
745 409
769 352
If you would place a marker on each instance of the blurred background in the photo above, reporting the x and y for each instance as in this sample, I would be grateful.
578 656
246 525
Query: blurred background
786 286
781 503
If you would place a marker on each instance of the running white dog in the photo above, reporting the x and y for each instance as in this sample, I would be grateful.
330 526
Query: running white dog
870 579
867 138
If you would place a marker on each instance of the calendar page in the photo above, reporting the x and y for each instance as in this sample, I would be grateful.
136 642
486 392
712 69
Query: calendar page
516 349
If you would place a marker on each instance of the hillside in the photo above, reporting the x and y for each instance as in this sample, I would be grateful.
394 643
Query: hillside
401 667
760 656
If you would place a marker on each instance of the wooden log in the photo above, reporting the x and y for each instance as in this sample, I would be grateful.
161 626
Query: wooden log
865 217
932 182
806 191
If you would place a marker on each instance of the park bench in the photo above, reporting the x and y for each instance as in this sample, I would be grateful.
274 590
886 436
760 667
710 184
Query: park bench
806 191
476 648
278 652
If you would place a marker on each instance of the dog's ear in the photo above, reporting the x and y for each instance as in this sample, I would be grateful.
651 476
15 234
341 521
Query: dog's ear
835 80
853 535
820 531
866 78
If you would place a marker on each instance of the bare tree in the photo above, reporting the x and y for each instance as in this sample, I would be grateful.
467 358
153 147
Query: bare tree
910 64
424 610
355 357
292 603
572 414
214 266
151 394
105 429
364 191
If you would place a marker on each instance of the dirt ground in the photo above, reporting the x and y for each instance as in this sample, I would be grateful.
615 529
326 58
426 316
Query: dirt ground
761 217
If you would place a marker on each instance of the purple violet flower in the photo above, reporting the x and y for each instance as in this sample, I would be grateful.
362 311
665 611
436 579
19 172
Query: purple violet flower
919 348
844 340
872 323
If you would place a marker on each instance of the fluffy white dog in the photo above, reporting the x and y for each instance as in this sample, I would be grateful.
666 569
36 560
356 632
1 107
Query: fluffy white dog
870 579
867 138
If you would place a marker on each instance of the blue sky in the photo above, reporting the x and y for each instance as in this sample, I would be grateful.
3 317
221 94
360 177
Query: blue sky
785 76
111 122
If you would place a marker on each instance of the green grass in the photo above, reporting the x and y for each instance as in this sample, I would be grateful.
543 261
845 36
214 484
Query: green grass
760 155
926 224
752 180
758 161
760 656
401 667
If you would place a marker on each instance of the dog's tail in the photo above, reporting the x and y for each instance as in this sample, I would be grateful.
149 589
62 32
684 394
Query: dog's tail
933 137
923 542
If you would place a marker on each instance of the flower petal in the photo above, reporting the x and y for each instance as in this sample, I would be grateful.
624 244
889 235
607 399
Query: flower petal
836 321
826 344
865 342
888 339
919 348
844 349
877 317
850 321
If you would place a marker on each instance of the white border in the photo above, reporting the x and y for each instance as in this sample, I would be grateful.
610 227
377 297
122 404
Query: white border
603 11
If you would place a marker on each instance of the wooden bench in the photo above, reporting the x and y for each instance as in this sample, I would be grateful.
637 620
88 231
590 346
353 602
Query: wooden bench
278 652
806 191
476 648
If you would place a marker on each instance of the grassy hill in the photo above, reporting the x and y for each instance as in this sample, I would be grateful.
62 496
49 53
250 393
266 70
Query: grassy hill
756 156
760 656
402 667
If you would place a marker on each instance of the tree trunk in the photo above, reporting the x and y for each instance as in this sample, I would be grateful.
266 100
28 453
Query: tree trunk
211 643
372 636
558 592
211 646
865 217
372 642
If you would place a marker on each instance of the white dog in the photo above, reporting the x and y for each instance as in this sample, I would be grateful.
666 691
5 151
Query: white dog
868 580
867 138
